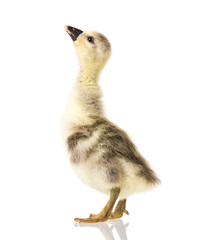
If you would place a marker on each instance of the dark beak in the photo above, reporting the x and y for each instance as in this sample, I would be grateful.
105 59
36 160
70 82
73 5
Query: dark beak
73 32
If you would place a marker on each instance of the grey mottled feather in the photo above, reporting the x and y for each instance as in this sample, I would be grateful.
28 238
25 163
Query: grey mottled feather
112 144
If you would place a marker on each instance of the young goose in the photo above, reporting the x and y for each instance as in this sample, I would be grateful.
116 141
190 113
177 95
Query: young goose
101 154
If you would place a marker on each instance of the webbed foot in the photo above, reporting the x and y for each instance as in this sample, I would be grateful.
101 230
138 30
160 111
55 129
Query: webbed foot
105 213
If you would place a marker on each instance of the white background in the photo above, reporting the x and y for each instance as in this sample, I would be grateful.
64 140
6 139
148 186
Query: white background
151 89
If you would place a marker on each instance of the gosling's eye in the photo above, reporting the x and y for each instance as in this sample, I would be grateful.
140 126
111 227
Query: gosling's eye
90 39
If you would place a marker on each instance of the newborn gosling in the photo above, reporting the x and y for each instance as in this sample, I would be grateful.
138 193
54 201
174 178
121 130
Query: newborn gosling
101 154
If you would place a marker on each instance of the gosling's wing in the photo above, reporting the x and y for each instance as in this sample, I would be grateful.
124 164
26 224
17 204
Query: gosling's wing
114 143
109 142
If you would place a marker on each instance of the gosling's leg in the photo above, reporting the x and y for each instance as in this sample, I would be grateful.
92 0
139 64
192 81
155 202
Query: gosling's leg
119 210
105 213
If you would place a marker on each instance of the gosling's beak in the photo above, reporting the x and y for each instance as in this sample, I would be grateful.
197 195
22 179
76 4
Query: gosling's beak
73 32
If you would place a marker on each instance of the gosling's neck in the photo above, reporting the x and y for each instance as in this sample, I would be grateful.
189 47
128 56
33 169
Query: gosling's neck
89 92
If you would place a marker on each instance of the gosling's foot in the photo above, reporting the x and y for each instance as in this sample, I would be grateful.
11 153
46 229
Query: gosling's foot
105 213
91 219
119 210
115 215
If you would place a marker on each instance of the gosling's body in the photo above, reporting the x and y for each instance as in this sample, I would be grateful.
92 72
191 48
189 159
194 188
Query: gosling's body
102 155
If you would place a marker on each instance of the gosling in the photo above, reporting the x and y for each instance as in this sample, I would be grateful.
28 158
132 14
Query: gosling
101 154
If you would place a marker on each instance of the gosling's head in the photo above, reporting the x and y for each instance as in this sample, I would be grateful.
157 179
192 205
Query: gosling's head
93 48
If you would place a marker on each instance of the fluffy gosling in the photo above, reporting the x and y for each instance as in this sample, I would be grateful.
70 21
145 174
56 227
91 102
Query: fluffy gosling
101 154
